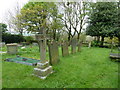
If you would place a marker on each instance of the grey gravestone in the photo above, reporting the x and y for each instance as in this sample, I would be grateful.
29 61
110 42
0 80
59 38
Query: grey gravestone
79 46
53 53
65 50
35 44
12 48
2 44
73 45
43 68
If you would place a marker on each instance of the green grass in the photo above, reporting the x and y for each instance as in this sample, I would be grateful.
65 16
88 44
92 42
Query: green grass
90 68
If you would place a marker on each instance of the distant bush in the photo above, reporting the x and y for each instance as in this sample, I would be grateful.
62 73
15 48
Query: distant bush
108 40
29 39
83 37
96 43
11 38
25 43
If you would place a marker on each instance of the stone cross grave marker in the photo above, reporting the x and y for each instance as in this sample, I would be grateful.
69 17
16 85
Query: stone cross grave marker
43 68
73 45
65 50
53 53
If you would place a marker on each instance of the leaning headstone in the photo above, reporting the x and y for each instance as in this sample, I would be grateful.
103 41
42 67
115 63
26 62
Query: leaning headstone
65 50
43 68
53 53
73 46
79 46
12 48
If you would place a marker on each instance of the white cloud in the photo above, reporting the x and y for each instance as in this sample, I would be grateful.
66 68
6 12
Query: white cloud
6 5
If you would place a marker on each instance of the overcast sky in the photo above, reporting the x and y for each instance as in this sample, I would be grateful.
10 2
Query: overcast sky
6 5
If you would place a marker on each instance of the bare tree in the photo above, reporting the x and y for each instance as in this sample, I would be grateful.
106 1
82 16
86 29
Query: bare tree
74 16
13 21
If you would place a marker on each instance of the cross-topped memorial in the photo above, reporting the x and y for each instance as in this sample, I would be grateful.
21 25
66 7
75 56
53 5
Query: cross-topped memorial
41 38
43 69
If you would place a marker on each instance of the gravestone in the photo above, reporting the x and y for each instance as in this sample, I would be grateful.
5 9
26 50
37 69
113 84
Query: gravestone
12 48
73 45
53 53
35 44
79 46
65 50
2 44
89 39
43 68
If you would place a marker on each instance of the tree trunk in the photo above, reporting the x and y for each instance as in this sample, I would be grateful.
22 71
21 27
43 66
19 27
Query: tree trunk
69 36
54 34
102 40
78 37
98 40
118 41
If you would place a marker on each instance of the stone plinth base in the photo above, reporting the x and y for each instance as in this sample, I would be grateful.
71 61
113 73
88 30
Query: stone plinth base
43 70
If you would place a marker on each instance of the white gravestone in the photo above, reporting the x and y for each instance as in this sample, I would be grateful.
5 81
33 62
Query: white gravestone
89 39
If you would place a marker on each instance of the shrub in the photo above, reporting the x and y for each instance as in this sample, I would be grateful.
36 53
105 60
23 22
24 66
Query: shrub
29 39
11 38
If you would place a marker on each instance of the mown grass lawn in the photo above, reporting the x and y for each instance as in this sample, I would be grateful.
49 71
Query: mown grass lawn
90 68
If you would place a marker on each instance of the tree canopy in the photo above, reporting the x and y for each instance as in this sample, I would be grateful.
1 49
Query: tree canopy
102 19
3 27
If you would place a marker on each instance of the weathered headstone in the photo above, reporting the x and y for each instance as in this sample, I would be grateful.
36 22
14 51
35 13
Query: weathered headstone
2 44
53 53
89 39
12 48
73 45
65 50
35 44
79 46
43 68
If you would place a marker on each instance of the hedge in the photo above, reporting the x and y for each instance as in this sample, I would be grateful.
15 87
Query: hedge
11 38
